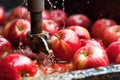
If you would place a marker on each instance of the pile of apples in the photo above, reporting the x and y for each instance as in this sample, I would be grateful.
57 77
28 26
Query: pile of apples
76 41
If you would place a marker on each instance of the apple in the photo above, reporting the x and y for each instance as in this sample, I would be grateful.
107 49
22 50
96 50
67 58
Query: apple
15 66
46 15
20 12
113 50
17 32
5 47
64 44
99 26
59 16
110 34
82 32
78 20
50 26
90 57
2 15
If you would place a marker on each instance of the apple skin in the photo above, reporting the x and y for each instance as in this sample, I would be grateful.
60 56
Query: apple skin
20 12
46 15
15 66
90 57
82 32
5 47
110 34
78 20
117 61
99 26
59 16
64 44
101 43
5 29
18 32
113 50
93 42
2 15
50 26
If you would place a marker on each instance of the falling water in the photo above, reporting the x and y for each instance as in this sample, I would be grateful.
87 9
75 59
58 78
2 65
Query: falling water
57 4
63 5
54 5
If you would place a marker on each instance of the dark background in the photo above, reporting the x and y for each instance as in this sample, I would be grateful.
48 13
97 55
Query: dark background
94 9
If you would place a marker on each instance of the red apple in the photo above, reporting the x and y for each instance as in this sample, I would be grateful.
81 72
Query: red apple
18 32
46 15
64 44
15 66
59 16
5 46
82 32
113 50
19 13
78 20
99 26
110 34
50 26
90 57
2 15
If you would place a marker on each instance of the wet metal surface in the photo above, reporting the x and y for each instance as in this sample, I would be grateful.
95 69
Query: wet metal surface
111 72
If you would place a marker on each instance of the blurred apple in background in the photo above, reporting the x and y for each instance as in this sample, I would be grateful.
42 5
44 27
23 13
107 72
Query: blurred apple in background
110 34
19 12
46 15
2 16
78 20
15 66
99 26
113 51
59 16
82 32
64 44
5 29
18 32
5 47
90 57
50 26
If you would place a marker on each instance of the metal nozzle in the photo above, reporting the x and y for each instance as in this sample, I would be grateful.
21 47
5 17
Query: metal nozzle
39 40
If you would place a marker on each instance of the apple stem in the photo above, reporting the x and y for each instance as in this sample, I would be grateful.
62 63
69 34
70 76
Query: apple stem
85 53
59 37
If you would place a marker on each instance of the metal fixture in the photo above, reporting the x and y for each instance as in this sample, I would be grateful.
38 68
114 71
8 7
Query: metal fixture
39 40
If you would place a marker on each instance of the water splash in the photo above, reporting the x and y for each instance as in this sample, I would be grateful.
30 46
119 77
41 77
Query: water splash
63 5
51 4
46 60
54 5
